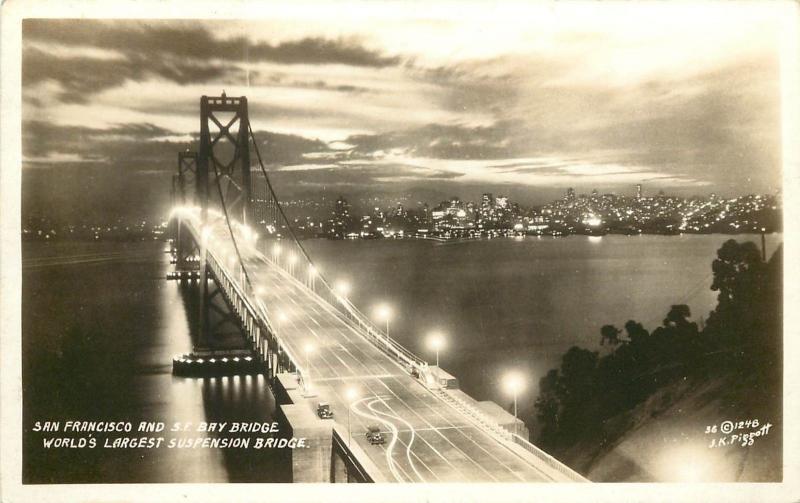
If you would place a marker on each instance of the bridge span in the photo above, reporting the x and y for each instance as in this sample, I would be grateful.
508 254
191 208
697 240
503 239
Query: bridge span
318 347
430 437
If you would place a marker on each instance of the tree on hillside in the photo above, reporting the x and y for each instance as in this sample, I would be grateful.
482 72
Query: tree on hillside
610 333
744 330
637 334
741 279
547 408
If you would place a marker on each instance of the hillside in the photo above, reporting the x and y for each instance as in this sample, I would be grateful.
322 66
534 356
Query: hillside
665 437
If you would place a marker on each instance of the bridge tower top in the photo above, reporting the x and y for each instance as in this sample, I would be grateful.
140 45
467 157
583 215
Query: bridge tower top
223 161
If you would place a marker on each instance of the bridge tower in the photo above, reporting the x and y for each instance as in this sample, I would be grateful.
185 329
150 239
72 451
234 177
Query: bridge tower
224 188
223 177
223 163
186 177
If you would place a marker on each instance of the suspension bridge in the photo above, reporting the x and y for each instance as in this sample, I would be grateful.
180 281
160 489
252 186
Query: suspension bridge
231 235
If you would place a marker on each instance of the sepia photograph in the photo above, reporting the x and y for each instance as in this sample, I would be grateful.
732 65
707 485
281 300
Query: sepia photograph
417 244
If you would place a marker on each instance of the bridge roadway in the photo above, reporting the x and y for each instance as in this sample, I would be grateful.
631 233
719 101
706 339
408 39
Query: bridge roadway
427 440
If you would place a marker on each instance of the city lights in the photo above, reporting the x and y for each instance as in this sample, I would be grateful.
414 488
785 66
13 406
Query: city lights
592 221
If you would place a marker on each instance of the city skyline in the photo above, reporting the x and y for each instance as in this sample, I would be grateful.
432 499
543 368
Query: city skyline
488 216
354 108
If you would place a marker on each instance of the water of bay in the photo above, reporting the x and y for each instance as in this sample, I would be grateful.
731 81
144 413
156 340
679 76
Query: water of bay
503 304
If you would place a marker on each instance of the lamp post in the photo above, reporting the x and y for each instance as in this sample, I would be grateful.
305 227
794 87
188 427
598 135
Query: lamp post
342 290
276 252
309 348
312 274
384 312
514 384
350 395
436 342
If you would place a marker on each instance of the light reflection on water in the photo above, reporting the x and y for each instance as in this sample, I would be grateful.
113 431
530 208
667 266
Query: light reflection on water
135 321
503 303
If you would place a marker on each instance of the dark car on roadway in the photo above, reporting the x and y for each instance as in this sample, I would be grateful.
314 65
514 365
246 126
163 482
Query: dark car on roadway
324 410
374 435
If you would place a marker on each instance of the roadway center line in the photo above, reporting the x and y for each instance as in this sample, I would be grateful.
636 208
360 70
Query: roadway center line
354 377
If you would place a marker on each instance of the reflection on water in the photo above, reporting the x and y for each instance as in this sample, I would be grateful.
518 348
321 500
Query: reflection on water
521 303
100 326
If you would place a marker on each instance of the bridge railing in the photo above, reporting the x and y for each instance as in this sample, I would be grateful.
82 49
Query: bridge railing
548 459
292 258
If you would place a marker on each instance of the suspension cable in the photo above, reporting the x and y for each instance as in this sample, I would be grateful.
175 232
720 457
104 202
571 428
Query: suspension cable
230 228
274 197
352 309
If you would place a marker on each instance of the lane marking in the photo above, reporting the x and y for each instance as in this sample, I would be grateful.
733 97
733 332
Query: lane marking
392 428
293 291
410 442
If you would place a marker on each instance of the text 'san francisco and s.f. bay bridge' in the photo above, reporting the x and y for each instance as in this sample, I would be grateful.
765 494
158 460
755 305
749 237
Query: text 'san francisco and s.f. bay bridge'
370 409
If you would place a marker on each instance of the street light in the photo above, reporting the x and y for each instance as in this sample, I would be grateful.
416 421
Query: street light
342 288
436 342
276 252
312 274
350 395
384 312
514 384
309 348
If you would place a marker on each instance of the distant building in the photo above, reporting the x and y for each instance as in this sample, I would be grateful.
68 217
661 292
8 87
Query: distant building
342 220
638 191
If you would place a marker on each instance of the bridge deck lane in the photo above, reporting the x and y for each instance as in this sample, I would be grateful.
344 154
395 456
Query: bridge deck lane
434 442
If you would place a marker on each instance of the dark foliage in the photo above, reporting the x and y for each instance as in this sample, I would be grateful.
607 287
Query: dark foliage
743 334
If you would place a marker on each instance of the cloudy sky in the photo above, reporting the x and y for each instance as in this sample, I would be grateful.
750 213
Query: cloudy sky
524 100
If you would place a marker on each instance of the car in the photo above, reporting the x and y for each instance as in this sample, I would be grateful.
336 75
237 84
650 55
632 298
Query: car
414 372
324 410
374 435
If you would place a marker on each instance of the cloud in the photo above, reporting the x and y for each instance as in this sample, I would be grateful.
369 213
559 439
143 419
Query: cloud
187 40
445 141
490 98
82 77
89 56
137 147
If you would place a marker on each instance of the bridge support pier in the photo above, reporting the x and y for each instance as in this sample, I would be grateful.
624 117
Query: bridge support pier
298 420
327 456
338 469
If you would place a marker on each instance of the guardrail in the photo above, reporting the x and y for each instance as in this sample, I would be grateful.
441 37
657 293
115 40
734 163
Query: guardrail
317 284
380 340
343 306
548 459
484 421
